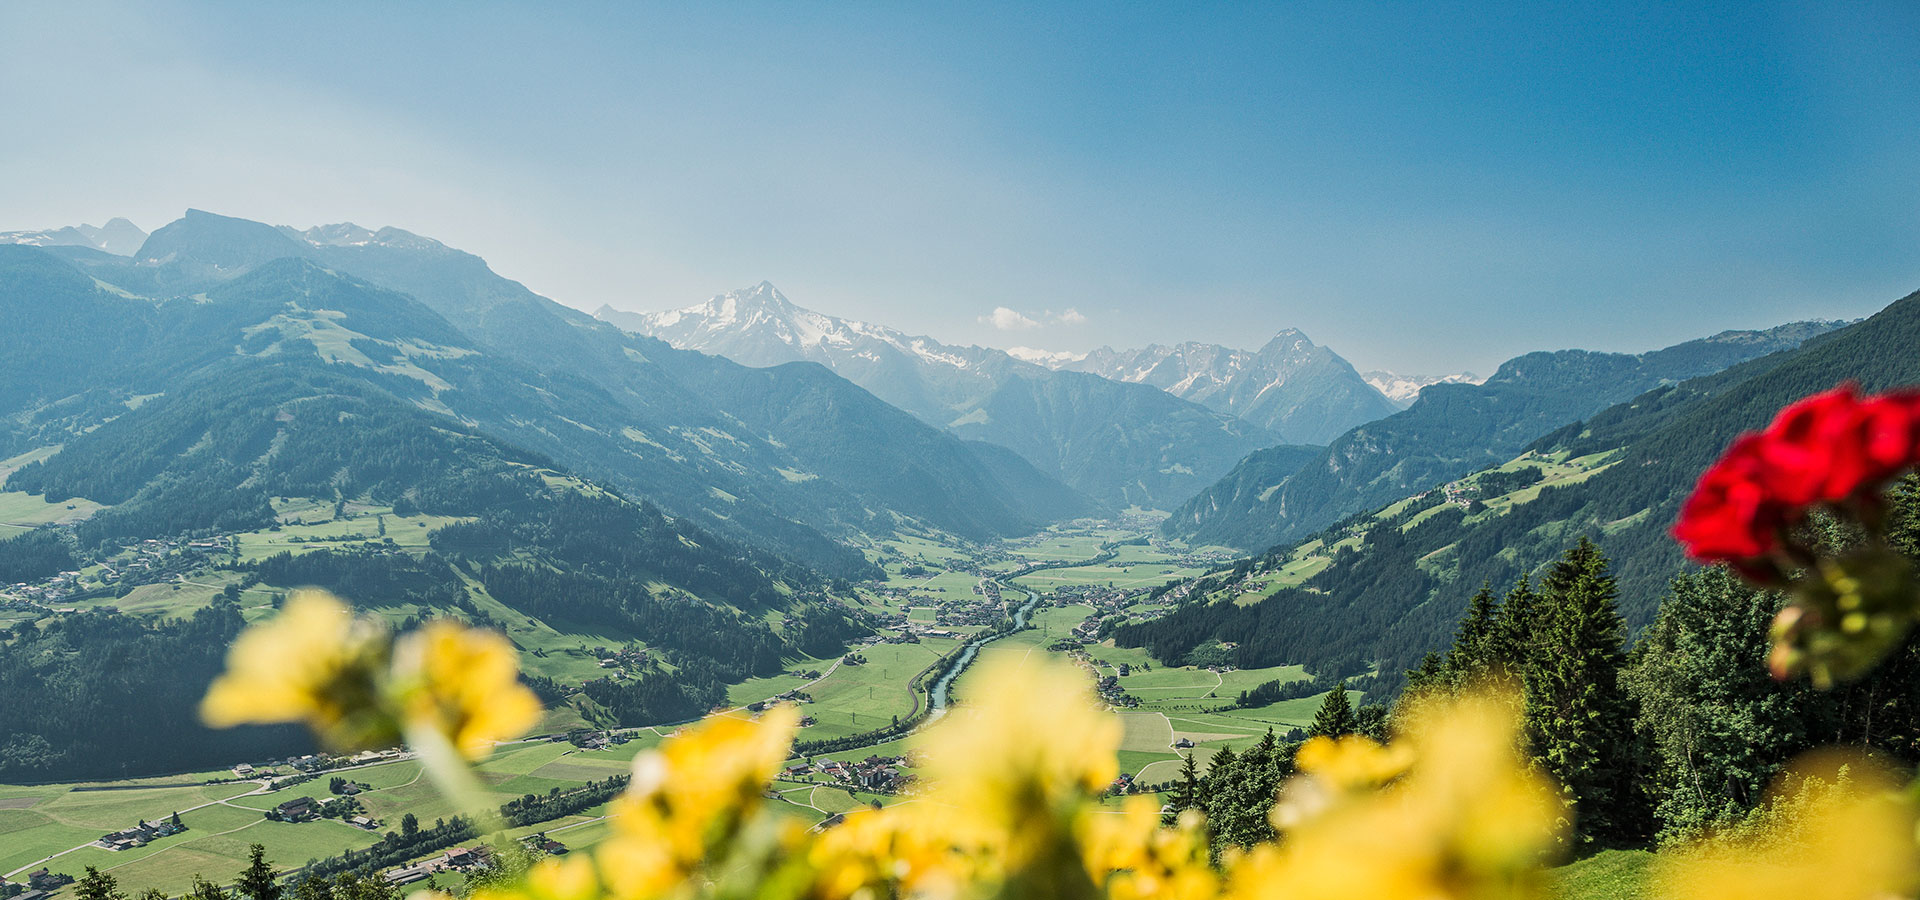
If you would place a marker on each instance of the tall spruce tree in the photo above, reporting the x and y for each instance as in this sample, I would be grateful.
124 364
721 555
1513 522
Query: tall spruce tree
1188 793
1335 717
1477 641
1719 727
257 881
1514 639
1578 713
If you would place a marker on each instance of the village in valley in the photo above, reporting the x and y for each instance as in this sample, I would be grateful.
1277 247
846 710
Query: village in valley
861 713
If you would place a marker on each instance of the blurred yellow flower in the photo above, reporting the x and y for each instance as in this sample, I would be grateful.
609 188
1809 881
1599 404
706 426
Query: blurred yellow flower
1030 738
315 662
463 683
1847 833
690 797
1460 815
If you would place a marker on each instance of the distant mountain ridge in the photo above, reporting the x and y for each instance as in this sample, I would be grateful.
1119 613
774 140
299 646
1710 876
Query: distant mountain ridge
118 237
1383 590
1450 430
1122 444
1303 392
1404 389
692 433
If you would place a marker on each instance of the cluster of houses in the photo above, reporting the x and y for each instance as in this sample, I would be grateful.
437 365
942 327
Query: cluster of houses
147 562
142 834
587 739
40 885
458 859
880 774
1113 694
628 657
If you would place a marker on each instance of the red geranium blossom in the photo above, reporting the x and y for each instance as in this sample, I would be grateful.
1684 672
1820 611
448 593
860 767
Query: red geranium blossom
1829 448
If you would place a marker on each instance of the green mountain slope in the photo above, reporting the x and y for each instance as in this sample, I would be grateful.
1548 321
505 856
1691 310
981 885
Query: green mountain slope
607 404
288 396
1383 588
1453 429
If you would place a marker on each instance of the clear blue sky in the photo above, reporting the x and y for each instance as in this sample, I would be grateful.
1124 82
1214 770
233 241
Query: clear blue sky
1423 187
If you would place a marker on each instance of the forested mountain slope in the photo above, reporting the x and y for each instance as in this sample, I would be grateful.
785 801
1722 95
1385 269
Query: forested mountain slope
292 393
605 403
1452 429
1385 588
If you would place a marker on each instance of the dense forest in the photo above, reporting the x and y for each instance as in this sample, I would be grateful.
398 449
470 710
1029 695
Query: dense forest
74 688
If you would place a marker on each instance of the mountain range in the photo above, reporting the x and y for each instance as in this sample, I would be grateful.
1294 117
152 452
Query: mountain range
119 237
1123 444
1404 389
1451 429
792 459
1385 586
1302 392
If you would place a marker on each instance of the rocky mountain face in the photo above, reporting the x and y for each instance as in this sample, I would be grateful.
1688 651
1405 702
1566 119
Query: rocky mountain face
1121 443
118 237
1305 393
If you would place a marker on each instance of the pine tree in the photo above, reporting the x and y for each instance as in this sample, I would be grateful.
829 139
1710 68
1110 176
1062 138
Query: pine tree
1511 645
1335 717
1476 641
1578 715
176 821
257 882
98 885
1188 792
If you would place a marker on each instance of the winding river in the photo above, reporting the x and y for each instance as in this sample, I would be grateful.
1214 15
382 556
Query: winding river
937 697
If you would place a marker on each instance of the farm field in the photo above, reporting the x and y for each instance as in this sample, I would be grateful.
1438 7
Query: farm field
1174 704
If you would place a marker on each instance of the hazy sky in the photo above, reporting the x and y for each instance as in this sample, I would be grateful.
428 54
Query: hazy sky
1422 187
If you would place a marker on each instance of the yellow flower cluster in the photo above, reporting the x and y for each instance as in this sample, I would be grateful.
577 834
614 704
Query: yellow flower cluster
357 688
1013 810
1013 807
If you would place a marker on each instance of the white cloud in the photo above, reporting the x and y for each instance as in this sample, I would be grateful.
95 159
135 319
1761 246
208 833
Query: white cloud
1006 319
1071 317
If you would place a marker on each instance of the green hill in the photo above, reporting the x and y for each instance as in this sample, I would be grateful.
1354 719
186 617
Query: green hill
1452 429
1382 588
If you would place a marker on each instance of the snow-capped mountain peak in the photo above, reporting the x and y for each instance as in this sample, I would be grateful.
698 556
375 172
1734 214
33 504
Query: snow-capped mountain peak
119 237
1404 389
1290 385
759 326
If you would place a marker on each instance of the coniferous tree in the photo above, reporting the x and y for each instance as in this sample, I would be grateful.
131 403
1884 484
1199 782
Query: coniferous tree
1476 642
1512 644
1188 792
1335 717
98 885
1578 714
257 881
1719 728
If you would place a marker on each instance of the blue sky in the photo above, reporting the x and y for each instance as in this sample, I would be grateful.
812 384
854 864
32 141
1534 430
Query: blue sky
1423 187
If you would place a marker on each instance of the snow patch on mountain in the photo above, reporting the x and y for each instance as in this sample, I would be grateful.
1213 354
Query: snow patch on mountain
1404 389
119 237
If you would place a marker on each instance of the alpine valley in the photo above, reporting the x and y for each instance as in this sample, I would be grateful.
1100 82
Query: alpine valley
744 501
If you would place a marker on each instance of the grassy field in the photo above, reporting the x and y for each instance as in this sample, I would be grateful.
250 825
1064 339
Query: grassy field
1175 703
1607 875
38 821
21 512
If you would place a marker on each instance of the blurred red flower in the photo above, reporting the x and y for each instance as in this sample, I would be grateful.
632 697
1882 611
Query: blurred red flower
1830 448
